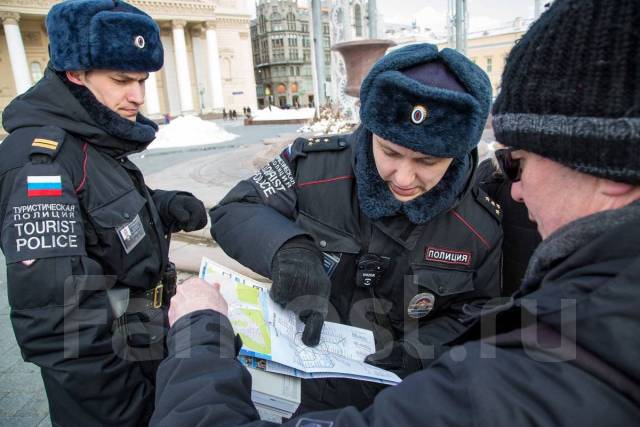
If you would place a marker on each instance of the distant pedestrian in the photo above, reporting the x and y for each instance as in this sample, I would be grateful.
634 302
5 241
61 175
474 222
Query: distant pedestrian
244 111
248 111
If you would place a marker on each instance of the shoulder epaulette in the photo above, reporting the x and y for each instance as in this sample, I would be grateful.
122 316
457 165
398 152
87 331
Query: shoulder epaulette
326 143
488 203
48 141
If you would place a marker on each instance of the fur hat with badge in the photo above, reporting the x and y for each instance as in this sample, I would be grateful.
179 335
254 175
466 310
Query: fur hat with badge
429 101
102 34
571 89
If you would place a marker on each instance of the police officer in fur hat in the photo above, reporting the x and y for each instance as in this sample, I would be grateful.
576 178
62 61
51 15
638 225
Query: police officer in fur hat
86 241
380 229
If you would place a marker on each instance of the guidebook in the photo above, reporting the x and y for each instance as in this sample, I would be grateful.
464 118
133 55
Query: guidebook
272 336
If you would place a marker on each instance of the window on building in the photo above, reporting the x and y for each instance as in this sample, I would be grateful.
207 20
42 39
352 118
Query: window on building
293 54
489 64
327 58
297 71
306 42
306 55
276 43
226 69
325 29
276 22
291 21
305 27
36 71
326 42
262 23
293 41
357 14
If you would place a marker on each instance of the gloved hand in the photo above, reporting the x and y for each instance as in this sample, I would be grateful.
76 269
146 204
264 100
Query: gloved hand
397 357
188 212
301 285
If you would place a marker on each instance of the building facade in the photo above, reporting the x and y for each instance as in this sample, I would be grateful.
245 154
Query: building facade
207 49
487 48
282 53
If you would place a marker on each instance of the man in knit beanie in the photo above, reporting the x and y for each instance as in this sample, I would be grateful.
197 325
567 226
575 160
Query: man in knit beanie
565 350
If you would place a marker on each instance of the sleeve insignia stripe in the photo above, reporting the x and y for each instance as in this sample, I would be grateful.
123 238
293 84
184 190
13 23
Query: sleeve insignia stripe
42 186
45 143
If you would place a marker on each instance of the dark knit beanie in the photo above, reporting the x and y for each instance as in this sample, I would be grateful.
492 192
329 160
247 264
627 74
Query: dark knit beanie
571 88
102 34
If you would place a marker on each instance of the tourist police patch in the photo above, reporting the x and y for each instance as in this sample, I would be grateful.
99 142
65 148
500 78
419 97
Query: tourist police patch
421 305
447 256
44 221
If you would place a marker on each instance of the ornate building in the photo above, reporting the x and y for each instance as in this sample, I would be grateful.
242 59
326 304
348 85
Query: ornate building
208 64
281 41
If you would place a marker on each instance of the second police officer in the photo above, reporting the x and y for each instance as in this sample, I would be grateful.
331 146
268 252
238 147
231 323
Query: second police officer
381 228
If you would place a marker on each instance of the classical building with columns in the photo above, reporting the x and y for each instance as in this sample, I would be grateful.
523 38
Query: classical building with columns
208 62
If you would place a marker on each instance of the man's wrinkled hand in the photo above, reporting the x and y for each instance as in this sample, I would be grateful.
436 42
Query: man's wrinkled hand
195 294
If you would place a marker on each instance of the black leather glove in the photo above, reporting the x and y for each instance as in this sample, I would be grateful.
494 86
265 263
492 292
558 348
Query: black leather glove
397 357
188 212
301 285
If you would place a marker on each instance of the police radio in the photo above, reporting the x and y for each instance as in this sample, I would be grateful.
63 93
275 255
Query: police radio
371 268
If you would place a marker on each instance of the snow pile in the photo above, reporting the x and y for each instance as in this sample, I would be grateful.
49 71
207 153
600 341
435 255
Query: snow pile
188 131
279 114
328 127
331 122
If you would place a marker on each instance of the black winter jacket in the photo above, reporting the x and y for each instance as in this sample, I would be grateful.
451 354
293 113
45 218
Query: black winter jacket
310 189
77 219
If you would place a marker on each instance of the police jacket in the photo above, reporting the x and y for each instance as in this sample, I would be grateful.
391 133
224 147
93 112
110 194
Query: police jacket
77 219
521 235
430 275
581 289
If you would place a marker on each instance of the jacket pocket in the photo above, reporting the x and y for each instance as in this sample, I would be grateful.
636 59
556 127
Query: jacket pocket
328 239
443 282
118 212
117 233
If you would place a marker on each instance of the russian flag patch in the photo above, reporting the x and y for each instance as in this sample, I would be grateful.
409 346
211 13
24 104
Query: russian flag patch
44 186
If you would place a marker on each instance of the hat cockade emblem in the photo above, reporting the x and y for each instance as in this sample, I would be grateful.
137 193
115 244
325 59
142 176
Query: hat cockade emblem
419 114
139 42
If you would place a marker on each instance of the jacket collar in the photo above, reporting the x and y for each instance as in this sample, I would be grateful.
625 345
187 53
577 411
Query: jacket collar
52 101
377 201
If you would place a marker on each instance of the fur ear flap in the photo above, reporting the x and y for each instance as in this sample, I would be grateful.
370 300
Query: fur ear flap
377 201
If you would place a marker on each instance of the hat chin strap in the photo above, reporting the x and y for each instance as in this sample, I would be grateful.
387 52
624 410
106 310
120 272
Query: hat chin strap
377 201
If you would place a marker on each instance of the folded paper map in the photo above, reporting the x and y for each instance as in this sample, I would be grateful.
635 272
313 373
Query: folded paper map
272 336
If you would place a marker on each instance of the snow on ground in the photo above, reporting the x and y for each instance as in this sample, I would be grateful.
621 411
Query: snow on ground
187 131
279 114
328 127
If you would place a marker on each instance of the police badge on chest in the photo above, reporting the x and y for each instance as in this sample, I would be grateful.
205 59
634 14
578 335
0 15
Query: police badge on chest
131 234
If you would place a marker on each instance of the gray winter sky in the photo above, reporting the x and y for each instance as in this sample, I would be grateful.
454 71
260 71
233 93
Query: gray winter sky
483 14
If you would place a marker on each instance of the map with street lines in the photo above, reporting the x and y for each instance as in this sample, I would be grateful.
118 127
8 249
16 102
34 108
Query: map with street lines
273 335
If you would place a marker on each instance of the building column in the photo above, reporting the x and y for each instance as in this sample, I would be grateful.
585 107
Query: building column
17 54
199 60
171 91
215 77
182 66
152 99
